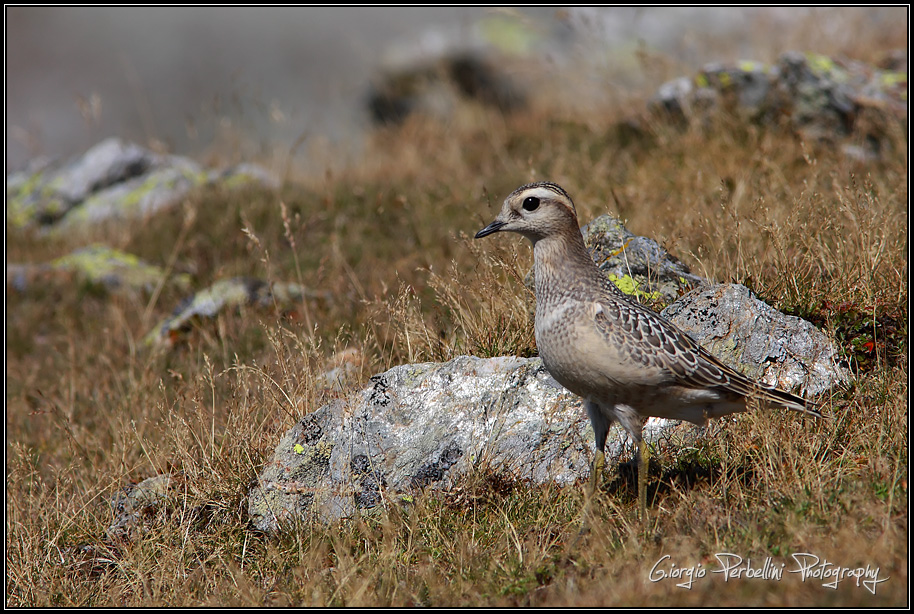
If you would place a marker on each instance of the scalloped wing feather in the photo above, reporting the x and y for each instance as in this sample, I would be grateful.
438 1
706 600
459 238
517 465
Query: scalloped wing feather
654 341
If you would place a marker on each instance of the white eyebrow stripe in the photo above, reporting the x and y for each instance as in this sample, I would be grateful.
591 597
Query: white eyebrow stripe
541 192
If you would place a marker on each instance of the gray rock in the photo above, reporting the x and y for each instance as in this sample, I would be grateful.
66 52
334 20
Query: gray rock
99 265
227 294
745 88
674 97
820 94
821 97
112 181
137 198
637 265
132 503
432 425
748 83
46 194
749 335
111 161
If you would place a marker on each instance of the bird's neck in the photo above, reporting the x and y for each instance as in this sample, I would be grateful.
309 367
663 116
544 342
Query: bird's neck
561 263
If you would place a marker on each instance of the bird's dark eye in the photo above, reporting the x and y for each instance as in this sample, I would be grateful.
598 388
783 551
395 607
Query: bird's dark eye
531 203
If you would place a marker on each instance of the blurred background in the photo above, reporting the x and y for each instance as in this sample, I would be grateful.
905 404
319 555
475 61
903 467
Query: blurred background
186 80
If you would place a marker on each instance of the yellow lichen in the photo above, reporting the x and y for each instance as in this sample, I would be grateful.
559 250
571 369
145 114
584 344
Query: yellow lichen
629 286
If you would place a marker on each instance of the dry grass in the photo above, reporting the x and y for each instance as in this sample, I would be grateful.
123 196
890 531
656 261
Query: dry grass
89 410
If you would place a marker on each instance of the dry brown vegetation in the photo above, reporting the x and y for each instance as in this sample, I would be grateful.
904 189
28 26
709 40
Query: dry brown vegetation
89 409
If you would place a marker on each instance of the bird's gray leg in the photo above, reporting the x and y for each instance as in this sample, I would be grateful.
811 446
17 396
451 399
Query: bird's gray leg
644 457
600 422
632 423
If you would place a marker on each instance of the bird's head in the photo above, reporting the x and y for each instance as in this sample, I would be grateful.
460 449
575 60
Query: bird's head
535 210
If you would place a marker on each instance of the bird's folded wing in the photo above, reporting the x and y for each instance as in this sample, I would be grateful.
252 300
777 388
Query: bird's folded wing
653 340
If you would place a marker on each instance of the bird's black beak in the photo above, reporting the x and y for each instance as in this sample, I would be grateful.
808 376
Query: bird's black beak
493 227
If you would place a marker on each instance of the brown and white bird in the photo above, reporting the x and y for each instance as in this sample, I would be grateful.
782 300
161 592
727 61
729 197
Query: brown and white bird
626 361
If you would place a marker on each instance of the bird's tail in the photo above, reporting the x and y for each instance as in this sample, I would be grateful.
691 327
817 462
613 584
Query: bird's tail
775 396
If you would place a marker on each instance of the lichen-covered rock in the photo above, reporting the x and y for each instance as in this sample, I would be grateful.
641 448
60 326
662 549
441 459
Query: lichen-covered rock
637 265
744 88
227 294
136 198
100 265
47 194
113 180
432 425
50 193
785 351
822 98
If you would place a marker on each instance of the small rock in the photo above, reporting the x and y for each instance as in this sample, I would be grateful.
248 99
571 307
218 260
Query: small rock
131 504
226 294
100 265
637 265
